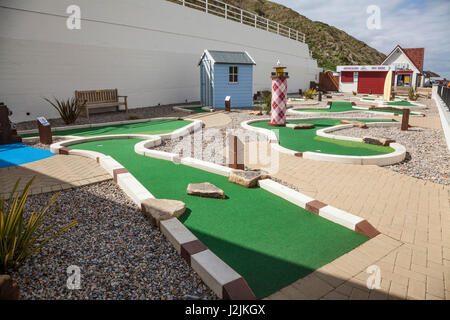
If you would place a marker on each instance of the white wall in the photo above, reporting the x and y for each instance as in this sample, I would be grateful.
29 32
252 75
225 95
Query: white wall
402 58
148 49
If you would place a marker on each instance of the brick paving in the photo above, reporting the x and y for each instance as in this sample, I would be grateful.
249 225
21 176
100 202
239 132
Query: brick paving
413 251
53 174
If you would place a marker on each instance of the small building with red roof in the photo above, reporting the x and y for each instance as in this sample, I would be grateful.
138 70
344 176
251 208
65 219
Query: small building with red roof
406 64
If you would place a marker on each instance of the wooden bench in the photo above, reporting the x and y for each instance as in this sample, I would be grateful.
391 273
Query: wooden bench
105 98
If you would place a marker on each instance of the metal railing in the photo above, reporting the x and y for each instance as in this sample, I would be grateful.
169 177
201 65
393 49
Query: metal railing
444 93
239 15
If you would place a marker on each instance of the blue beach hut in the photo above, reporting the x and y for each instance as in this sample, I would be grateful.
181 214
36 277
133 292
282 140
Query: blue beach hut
226 73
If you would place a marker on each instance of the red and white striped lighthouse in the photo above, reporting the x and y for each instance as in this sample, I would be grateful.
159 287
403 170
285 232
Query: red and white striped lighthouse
279 97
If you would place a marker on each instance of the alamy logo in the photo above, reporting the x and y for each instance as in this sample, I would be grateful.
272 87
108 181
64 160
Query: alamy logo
73 22
374 20
74 279
374 280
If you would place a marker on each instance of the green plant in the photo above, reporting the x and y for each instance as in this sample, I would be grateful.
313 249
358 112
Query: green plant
412 95
309 94
69 110
19 240
354 93
267 98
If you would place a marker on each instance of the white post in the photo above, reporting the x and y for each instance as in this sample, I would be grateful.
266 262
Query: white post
183 3
206 5
256 17
278 28
289 34
267 24
241 16
297 35
226 10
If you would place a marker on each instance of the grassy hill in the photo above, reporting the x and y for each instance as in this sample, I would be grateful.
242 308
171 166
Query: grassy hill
329 45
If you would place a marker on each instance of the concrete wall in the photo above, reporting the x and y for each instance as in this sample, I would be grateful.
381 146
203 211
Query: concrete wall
148 49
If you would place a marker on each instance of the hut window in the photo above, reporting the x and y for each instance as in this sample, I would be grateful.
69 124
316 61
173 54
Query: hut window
233 74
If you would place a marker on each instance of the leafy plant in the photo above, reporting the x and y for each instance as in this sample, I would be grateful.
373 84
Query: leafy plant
68 110
19 240
309 94
412 95
267 98
354 93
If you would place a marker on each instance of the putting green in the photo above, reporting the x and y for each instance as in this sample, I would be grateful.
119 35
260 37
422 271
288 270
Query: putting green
401 103
196 109
307 140
266 239
149 127
347 106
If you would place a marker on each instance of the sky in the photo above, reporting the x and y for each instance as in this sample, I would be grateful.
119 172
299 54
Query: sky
409 23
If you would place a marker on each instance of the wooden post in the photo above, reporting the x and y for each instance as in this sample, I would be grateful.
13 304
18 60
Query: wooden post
235 153
320 96
228 103
405 119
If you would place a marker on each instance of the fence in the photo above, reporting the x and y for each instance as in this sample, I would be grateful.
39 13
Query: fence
236 14
444 93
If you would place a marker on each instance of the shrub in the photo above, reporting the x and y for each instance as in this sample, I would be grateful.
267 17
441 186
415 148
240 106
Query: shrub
309 94
267 98
68 110
412 95
354 93
19 240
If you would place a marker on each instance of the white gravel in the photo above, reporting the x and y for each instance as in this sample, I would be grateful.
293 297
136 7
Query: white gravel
121 255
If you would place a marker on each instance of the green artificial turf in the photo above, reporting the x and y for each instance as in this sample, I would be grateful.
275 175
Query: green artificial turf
149 127
400 103
196 109
335 107
266 239
306 139
370 99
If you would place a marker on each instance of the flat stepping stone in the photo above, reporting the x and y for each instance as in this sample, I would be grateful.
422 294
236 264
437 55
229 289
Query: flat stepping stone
206 190
162 209
297 126
378 141
357 124
248 179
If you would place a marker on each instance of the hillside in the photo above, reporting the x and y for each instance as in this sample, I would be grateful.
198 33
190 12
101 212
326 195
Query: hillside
329 45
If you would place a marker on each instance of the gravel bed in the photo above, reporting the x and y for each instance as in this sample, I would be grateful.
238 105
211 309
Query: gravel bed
427 154
121 255
35 143
100 117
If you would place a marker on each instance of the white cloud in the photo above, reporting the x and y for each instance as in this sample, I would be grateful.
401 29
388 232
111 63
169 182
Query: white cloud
409 23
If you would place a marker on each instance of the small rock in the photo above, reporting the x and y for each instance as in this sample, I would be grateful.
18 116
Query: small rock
378 141
297 126
255 113
357 124
163 209
247 179
206 190
8 289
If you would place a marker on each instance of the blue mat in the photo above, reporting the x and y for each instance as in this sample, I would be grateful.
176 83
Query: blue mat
17 153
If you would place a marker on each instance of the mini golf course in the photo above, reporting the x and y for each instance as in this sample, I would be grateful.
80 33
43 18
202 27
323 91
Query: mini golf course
268 240
347 106
149 127
15 154
307 140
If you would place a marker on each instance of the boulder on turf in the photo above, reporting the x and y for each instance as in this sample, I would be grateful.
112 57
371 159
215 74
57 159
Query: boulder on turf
357 124
378 141
248 179
297 126
206 190
8 288
162 209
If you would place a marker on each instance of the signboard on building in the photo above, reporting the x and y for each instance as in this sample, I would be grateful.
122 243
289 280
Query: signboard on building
362 68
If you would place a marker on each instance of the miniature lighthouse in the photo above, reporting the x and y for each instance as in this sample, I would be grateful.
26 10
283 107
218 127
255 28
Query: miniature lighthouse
279 96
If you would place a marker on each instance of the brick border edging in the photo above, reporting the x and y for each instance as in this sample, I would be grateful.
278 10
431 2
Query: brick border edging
338 216
398 155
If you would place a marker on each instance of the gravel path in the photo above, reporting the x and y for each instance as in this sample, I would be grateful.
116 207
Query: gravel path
120 254
427 154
